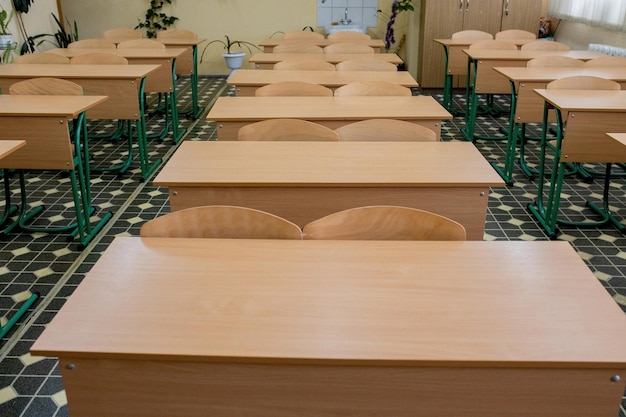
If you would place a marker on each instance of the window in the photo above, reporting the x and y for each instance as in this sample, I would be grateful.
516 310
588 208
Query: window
610 14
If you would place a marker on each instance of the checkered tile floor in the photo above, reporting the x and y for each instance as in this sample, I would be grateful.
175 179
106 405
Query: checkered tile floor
32 387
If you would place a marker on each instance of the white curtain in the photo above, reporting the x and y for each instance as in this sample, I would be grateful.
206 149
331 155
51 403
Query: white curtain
610 14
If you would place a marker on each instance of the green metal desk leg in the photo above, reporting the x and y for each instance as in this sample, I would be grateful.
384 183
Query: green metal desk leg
142 138
18 314
196 110
509 159
177 134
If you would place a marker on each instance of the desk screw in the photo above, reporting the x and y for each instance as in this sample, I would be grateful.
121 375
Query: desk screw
616 378
482 193
174 192
61 121
71 366
221 126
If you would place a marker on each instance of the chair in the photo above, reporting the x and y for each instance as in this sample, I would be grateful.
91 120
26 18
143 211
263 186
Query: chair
607 61
515 34
384 223
303 36
286 130
555 61
365 63
41 58
385 130
122 33
304 64
93 43
297 48
372 88
472 35
348 48
583 82
101 58
142 43
221 222
293 88
348 36
176 34
540 45
58 144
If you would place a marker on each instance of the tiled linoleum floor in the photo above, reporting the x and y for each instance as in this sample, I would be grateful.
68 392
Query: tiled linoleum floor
32 386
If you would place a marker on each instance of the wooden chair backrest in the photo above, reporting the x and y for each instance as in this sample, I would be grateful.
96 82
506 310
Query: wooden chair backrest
515 34
555 61
348 48
46 86
372 88
297 48
472 35
384 223
583 82
176 34
356 37
221 222
304 64
41 58
607 61
286 130
99 58
142 43
385 130
293 88
540 45
365 64
493 45
122 33
302 35
93 43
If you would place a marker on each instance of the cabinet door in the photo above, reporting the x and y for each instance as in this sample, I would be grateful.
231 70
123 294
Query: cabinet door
521 14
485 15
440 19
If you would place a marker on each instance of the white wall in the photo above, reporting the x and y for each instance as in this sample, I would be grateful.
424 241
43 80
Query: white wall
37 20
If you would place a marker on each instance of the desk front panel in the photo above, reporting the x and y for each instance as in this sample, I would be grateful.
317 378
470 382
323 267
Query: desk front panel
585 137
159 81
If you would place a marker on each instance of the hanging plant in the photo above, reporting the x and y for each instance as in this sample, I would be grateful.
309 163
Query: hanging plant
155 19
22 6
397 6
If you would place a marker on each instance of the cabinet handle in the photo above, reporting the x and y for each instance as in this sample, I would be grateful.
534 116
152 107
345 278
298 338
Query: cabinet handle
506 8
460 5
467 7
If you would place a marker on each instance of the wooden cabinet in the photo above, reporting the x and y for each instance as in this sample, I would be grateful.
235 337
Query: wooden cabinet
439 19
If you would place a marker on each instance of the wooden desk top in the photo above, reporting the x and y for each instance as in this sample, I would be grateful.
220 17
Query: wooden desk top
374 43
328 164
76 71
534 74
259 77
61 106
585 100
501 303
271 58
9 146
167 53
468 42
327 108
520 55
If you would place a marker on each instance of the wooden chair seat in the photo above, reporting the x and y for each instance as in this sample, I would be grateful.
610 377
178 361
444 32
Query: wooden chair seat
286 130
384 223
293 88
221 222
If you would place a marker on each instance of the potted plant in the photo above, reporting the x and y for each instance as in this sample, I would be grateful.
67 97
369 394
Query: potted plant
155 19
6 38
234 59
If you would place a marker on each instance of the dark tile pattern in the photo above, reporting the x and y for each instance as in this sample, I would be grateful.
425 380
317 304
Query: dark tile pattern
54 267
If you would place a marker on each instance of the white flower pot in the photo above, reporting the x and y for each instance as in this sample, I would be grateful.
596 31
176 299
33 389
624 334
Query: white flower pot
234 60
6 41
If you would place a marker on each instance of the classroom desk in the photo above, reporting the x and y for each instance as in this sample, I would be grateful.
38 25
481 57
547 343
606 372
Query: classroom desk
267 61
247 81
123 84
455 63
583 118
303 181
220 327
162 80
269 44
231 113
527 106
484 80
42 122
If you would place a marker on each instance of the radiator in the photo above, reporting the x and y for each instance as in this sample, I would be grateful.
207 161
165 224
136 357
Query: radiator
607 49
